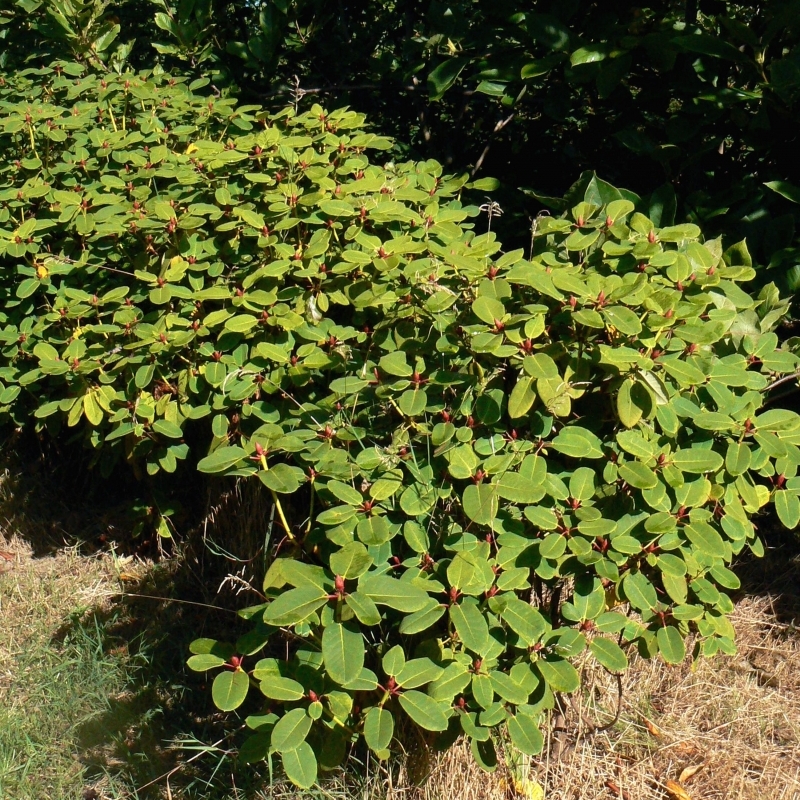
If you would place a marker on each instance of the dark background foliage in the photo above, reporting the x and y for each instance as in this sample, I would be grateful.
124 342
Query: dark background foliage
697 100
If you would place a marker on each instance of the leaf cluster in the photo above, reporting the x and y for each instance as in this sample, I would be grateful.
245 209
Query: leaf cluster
511 464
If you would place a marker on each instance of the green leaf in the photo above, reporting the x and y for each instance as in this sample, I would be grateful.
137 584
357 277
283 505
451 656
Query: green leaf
522 398
347 494
578 442
417 672
365 610
639 592
300 765
685 374
631 403
705 539
395 364
560 675
221 459
524 620
484 754
623 319
697 460
378 729
609 654
426 712
342 652
671 645
581 484
204 661
788 507
295 605
480 503
291 730
281 478
737 458
785 189
420 621
638 475
471 626
167 428
399 595
229 689
92 409
352 561
277 688
452 681
444 76
525 734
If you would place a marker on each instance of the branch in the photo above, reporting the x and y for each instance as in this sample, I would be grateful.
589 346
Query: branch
497 128
501 123
785 379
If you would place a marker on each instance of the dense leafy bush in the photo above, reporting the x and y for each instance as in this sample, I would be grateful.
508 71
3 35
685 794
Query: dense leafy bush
482 457
698 98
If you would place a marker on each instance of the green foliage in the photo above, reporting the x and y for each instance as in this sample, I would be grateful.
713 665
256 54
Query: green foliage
481 456
693 101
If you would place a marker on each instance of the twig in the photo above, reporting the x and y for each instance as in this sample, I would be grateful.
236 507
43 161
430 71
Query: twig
169 773
615 719
501 123
175 600
785 379
497 128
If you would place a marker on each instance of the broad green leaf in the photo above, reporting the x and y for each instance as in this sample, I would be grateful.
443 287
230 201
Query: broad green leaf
629 403
277 688
386 591
378 729
221 459
560 675
639 592
671 645
417 672
291 730
578 442
342 652
638 475
480 503
609 654
705 539
295 605
525 734
229 689
522 398
471 626
351 561
365 609
697 460
300 765
426 712
524 620
788 507
451 682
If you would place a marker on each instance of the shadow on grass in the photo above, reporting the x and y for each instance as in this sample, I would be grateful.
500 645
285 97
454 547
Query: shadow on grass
777 574
161 729
156 724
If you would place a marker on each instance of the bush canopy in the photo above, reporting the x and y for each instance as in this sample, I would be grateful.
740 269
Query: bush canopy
477 456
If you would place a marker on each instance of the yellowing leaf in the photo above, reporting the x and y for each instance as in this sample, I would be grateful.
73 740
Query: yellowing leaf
676 791
689 772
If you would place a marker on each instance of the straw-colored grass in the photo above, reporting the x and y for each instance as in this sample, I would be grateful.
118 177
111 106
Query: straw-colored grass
728 728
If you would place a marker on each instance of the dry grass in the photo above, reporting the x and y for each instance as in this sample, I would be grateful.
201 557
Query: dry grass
738 718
